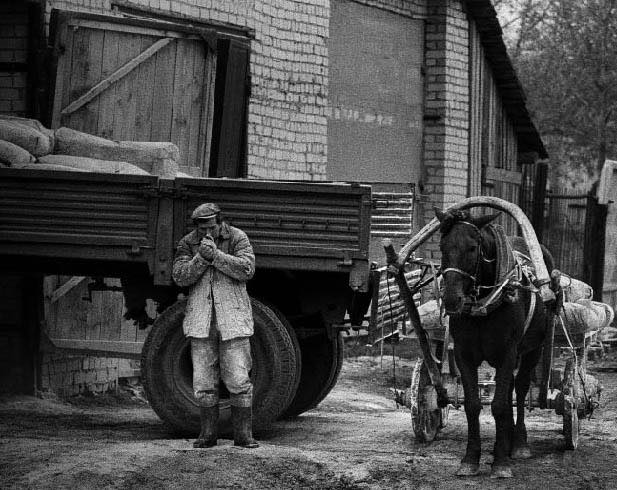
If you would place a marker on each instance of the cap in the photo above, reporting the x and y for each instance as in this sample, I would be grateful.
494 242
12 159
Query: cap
207 210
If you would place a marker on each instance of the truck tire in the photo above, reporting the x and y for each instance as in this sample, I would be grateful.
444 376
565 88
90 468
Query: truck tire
167 370
322 360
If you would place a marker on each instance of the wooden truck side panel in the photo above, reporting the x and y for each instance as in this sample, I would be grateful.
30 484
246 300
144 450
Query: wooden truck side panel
88 221
291 225
52 216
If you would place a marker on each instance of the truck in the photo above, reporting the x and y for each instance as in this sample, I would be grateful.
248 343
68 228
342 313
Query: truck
311 243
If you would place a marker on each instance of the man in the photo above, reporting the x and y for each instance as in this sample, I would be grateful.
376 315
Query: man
215 261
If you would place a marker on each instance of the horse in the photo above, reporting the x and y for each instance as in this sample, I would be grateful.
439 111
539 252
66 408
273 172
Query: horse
508 335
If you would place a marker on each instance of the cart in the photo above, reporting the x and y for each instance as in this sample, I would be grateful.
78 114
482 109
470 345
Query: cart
562 382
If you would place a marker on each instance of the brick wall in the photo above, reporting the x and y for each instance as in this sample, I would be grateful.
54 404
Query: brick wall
68 375
13 52
408 8
446 129
287 125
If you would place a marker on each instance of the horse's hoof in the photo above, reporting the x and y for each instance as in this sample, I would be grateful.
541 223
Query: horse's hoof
468 469
501 472
522 452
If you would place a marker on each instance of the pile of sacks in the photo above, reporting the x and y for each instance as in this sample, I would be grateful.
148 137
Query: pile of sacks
26 143
580 313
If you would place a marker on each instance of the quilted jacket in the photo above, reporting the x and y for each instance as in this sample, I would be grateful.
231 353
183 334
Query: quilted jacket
218 285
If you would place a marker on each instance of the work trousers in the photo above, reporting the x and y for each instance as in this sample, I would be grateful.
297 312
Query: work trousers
229 360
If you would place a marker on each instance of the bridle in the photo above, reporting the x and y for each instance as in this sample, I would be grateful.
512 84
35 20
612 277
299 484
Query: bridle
475 287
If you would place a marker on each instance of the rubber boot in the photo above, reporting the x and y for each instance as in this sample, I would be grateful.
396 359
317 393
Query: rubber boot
209 427
242 419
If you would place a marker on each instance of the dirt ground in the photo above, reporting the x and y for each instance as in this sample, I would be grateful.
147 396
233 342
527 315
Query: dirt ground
356 438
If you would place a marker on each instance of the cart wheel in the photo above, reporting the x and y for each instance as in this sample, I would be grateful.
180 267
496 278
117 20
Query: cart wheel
426 417
571 427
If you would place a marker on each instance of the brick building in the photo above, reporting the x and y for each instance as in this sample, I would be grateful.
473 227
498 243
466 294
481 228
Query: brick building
417 98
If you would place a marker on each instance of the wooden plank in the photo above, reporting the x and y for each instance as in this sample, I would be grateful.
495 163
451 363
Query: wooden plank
63 45
179 31
126 92
75 309
107 348
199 89
163 87
107 107
89 73
144 96
61 326
182 99
65 288
95 318
207 114
110 322
126 53
502 175
118 74
79 67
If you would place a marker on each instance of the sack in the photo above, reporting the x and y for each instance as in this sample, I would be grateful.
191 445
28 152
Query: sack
157 158
29 138
584 316
93 164
574 289
49 166
14 155
34 124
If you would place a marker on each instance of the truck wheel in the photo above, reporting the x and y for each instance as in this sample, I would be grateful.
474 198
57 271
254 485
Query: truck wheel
167 371
322 360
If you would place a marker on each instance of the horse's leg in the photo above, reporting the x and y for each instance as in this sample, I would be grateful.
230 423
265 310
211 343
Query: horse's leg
501 407
520 448
470 464
510 396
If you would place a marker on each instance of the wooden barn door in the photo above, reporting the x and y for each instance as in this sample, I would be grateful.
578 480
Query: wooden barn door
125 79
135 79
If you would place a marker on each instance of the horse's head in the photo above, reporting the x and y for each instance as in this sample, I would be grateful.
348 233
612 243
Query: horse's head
462 252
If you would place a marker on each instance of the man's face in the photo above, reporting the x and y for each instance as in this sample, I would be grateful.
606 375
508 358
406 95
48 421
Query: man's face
208 227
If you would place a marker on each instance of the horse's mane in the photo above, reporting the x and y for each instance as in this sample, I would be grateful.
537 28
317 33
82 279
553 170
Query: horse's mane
451 218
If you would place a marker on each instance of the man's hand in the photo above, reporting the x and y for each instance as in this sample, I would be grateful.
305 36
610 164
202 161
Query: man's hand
207 248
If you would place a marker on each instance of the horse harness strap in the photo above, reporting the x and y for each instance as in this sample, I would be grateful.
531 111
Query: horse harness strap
532 310
473 277
459 271
510 269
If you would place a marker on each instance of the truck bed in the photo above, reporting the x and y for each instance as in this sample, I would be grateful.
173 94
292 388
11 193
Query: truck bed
105 224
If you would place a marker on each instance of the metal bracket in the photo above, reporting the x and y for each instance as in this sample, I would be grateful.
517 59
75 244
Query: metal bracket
346 262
